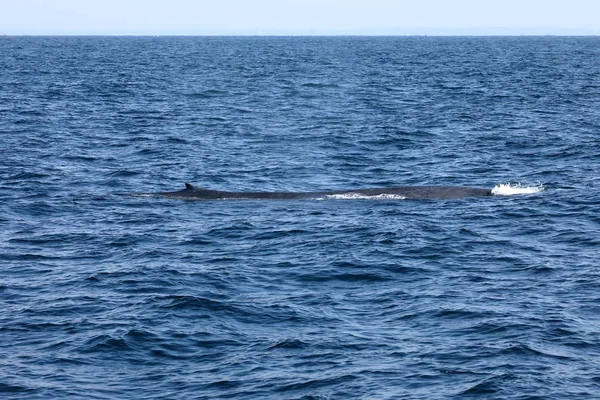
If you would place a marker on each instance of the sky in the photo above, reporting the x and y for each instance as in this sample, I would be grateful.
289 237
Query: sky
300 17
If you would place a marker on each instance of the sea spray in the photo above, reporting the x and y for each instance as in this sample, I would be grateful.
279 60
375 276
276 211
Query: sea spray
509 189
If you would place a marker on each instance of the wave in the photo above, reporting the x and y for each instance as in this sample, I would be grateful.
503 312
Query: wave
510 189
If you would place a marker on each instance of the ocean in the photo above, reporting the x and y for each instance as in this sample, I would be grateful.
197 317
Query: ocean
106 296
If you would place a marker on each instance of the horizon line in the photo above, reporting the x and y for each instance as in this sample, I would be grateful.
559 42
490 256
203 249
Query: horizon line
364 31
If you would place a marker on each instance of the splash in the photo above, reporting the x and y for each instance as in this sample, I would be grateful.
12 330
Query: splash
509 189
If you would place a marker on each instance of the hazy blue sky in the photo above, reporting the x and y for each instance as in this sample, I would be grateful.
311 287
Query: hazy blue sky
225 17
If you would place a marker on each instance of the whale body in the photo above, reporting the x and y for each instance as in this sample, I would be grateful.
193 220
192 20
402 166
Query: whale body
404 192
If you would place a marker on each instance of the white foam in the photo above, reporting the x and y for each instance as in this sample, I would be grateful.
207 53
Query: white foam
140 195
510 189
346 196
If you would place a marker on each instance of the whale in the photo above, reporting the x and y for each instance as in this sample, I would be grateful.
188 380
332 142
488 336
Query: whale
192 192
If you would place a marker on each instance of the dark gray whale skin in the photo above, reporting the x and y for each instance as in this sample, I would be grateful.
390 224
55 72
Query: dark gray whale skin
192 192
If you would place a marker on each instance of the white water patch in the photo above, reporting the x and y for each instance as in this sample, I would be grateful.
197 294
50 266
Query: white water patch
139 194
352 196
510 189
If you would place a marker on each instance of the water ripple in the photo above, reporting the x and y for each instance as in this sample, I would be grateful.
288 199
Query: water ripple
106 296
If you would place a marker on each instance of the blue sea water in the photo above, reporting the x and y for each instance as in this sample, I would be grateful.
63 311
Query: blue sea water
111 297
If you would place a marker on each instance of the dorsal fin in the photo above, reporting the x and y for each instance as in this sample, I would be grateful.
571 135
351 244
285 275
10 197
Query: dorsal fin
189 186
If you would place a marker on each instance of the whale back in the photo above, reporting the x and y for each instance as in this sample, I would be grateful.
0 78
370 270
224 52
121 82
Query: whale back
435 192
406 192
